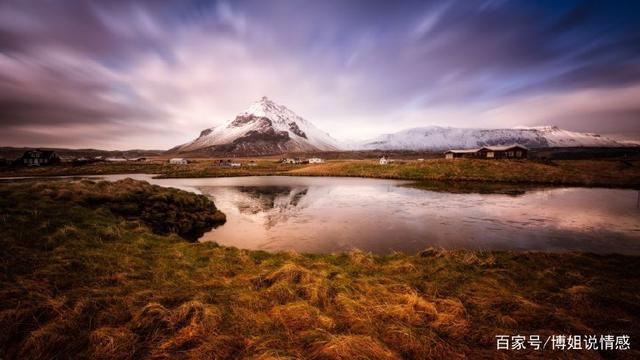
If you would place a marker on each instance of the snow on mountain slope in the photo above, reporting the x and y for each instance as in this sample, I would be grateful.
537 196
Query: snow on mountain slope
557 137
443 138
263 128
266 128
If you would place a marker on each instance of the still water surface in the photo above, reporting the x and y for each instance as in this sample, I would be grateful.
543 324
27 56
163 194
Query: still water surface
321 215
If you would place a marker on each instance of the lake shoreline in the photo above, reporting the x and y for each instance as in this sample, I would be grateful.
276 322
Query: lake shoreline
85 276
276 213
588 173
455 183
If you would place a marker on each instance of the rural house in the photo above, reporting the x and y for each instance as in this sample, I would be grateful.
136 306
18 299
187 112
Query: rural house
178 161
490 152
223 163
504 152
466 153
383 161
292 161
228 163
315 160
39 157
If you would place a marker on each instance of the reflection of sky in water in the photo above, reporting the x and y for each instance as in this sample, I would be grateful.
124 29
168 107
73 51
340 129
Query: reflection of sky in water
332 214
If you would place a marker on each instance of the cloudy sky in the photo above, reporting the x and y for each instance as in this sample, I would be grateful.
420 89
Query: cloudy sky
152 74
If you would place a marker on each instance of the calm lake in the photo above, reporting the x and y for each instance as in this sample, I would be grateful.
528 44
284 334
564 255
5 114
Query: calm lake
323 214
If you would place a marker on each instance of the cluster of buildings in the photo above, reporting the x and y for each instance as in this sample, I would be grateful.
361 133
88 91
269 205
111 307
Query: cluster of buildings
234 163
178 161
237 163
313 160
514 151
116 159
40 157
219 162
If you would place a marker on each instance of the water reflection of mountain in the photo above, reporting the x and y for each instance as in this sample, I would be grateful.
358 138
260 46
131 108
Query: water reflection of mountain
274 203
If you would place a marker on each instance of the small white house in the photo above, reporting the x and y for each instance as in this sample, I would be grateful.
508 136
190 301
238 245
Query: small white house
235 164
178 161
384 161
292 161
315 160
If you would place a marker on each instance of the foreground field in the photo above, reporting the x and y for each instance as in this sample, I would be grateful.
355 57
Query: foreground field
96 270
615 173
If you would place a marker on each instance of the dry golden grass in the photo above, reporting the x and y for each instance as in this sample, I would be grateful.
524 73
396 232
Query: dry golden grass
112 343
82 281
357 347
566 172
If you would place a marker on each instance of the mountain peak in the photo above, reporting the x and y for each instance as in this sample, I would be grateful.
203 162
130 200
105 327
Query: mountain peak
263 128
264 108
265 101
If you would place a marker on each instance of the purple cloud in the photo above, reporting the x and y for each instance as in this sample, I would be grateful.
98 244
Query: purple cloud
152 74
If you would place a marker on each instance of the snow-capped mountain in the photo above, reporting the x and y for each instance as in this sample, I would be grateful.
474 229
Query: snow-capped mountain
267 128
444 138
262 129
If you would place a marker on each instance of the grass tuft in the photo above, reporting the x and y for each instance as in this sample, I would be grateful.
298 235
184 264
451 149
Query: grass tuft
352 347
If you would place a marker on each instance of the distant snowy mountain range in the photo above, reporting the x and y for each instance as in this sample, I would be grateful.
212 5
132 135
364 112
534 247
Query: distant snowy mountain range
444 138
267 128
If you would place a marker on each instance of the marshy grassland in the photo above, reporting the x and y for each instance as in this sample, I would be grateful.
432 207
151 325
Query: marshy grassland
108 271
609 173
